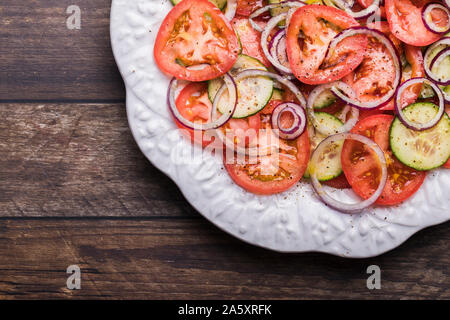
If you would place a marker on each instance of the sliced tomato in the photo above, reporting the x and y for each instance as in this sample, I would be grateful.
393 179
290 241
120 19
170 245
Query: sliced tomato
339 182
366 3
447 164
250 39
246 7
194 105
405 22
362 169
196 42
319 24
273 173
375 76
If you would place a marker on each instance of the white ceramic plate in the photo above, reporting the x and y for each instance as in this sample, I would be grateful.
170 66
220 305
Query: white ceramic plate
295 221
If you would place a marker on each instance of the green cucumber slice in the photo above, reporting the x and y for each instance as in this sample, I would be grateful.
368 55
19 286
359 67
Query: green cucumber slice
253 93
421 150
325 99
277 94
219 3
441 70
329 165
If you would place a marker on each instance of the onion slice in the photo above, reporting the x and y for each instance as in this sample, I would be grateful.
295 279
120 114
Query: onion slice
214 124
395 57
333 203
298 126
428 20
349 124
265 35
444 53
447 3
260 11
347 7
230 11
445 41
411 124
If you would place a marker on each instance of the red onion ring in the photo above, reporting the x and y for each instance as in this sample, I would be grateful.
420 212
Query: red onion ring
427 66
444 53
233 95
274 47
323 195
347 7
428 21
395 57
414 125
297 127
348 125
260 11
273 22
230 11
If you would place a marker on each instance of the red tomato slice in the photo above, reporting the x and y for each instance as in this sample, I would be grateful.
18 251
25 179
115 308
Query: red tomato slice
250 39
246 7
272 175
196 42
361 165
319 24
375 75
447 164
405 22
193 104
338 182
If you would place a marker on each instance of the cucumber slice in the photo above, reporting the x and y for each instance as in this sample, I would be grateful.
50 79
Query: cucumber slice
219 3
278 10
421 150
253 93
329 165
277 94
325 99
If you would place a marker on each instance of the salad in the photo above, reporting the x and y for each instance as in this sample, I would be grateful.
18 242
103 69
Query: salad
338 93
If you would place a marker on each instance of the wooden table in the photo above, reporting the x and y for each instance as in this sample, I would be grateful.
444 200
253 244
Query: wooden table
75 190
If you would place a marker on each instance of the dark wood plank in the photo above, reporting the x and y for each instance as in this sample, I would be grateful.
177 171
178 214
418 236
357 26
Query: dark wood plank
193 259
78 160
41 59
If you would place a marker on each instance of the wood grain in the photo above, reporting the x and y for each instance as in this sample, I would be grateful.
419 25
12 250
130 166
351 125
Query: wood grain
168 259
78 160
41 59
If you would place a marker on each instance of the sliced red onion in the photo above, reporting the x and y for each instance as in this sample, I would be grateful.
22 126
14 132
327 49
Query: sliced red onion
273 45
333 203
230 85
427 65
347 7
230 11
447 3
444 53
428 21
265 35
411 124
298 126
395 57
322 128
260 11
